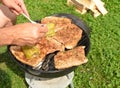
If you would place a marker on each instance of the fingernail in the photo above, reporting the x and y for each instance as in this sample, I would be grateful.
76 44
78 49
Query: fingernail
43 25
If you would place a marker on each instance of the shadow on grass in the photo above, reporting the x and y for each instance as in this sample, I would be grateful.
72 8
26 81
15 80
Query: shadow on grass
5 57
5 81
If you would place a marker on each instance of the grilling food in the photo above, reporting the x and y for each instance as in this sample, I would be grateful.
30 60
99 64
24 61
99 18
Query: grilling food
70 58
61 34
59 22
65 32
33 55
50 45
69 35
30 51
51 31
20 56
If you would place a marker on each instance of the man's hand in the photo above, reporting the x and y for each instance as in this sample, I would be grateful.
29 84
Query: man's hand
16 6
28 33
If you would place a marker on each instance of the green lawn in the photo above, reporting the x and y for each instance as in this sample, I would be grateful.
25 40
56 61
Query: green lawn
103 67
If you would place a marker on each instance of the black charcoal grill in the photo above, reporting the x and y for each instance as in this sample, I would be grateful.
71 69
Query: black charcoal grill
48 70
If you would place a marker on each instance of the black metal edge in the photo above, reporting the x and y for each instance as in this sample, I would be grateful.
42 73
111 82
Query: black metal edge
51 74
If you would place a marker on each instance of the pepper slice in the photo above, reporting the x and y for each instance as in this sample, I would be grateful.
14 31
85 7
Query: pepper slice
51 31
30 51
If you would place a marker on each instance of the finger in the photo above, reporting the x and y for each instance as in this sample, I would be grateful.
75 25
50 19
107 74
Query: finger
39 39
42 35
23 7
42 27
17 8
14 11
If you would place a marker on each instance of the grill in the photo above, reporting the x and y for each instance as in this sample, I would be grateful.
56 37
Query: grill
48 70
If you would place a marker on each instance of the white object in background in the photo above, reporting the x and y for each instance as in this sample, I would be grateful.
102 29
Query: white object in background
58 82
100 6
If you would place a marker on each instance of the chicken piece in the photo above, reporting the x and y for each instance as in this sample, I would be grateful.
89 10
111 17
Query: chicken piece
70 58
69 35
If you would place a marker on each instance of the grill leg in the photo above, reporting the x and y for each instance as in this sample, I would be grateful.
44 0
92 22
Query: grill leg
30 87
58 82
71 85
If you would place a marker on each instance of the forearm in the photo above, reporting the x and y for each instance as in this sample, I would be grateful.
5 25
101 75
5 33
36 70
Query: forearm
6 36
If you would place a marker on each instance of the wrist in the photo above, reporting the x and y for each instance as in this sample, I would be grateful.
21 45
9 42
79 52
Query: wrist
6 37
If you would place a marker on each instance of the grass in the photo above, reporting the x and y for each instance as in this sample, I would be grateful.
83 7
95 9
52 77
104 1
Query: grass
102 69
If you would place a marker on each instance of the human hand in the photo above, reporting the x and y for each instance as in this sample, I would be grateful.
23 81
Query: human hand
28 33
16 6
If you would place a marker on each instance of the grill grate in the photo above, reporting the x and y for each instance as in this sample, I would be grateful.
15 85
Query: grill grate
48 64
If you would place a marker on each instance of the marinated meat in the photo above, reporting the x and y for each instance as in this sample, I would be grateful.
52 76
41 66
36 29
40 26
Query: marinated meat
18 53
45 46
69 35
70 58
59 22
50 45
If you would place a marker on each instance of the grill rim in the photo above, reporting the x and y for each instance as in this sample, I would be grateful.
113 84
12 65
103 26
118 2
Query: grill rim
51 74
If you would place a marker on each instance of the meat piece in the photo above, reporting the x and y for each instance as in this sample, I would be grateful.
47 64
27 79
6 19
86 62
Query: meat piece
59 22
46 46
50 45
65 32
70 58
18 53
69 35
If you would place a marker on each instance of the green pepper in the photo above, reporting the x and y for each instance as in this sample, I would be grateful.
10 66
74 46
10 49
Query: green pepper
30 51
51 31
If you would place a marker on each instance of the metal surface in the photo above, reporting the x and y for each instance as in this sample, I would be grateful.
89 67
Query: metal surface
59 82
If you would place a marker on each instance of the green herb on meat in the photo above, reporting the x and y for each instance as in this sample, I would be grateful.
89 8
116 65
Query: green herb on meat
51 31
30 51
